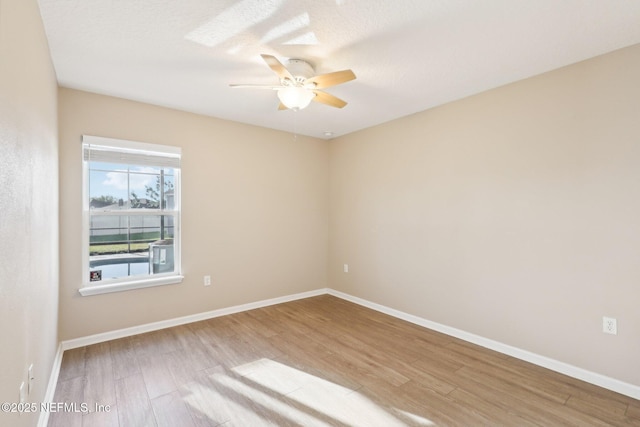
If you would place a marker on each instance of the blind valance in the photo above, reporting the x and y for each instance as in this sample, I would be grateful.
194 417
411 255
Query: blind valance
110 150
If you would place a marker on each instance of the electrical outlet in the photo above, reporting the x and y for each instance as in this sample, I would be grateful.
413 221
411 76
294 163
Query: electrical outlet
30 379
345 268
207 280
23 392
609 325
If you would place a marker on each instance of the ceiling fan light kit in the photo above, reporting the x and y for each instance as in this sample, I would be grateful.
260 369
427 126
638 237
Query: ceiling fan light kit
295 98
298 85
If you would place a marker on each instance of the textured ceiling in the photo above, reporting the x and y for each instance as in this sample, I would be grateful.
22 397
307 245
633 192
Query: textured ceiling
408 55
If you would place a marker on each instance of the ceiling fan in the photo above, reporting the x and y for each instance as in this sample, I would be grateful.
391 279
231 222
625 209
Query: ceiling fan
298 85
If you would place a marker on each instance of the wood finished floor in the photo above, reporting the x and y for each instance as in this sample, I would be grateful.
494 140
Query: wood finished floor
319 361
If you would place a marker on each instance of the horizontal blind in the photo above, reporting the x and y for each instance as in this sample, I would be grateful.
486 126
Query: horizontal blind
98 149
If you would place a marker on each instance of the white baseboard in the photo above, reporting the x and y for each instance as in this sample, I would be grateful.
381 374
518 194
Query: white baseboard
552 364
163 324
43 419
546 362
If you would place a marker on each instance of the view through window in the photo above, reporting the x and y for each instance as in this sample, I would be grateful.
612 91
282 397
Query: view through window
132 207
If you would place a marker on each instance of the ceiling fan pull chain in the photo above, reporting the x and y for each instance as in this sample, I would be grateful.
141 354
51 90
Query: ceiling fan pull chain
295 124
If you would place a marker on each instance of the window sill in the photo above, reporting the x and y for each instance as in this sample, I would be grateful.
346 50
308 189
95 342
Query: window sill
127 286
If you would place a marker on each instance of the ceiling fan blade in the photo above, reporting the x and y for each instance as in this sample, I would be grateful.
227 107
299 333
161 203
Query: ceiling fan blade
277 67
331 79
328 99
250 86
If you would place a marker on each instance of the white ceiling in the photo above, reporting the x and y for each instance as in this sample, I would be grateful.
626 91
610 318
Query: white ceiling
408 55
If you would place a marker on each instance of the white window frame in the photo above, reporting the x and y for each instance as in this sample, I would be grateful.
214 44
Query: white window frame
131 282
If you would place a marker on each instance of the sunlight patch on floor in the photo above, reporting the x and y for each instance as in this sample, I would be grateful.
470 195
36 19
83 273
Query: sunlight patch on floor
416 419
212 405
324 397
269 403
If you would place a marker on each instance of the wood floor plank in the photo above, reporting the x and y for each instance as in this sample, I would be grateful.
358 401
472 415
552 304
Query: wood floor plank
183 367
326 402
477 352
192 347
262 323
361 356
213 331
321 361
292 343
438 408
157 375
633 410
199 397
312 357
532 384
608 411
223 396
100 386
391 344
397 369
432 361
427 379
235 350
283 314
156 342
102 418
582 389
323 369
490 410
124 358
524 405
171 411
406 411
569 415
134 405
73 364
70 391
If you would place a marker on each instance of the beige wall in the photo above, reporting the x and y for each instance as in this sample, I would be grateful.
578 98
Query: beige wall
28 205
513 214
255 213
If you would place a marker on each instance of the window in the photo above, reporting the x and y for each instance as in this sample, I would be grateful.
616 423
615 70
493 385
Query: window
131 215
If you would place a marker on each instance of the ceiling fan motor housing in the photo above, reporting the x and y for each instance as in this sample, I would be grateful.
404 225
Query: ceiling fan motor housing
300 70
